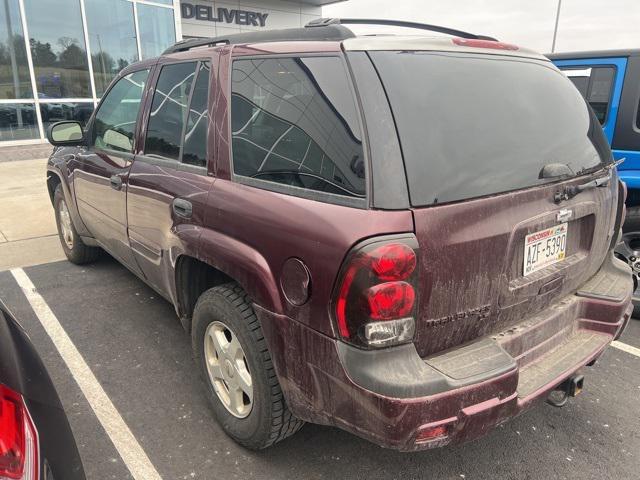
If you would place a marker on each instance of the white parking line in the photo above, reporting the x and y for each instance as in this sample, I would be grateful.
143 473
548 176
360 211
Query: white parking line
626 348
126 444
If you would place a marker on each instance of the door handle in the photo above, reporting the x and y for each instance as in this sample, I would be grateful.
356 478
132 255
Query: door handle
182 208
116 182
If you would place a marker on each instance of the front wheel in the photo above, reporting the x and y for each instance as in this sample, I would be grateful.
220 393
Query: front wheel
232 355
75 250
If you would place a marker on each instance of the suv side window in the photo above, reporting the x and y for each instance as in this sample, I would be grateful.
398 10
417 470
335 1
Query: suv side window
115 121
596 85
194 151
295 123
169 110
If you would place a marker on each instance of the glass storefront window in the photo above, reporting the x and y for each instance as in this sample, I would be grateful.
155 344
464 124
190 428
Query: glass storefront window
58 48
53 112
112 39
14 69
18 121
44 56
156 28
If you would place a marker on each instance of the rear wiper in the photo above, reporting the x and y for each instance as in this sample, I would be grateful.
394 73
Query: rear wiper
573 190
608 166
555 170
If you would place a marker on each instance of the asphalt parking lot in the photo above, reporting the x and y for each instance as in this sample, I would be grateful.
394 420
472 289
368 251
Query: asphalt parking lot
134 345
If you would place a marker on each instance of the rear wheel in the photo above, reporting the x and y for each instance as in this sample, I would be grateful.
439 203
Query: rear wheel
75 250
236 366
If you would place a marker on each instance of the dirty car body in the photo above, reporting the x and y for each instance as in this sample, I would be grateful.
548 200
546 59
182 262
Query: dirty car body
419 275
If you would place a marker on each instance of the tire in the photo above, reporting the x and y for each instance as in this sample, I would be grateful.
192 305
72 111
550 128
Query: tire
75 250
632 220
226 310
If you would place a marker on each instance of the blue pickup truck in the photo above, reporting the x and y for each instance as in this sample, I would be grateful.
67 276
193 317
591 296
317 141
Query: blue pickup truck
610 81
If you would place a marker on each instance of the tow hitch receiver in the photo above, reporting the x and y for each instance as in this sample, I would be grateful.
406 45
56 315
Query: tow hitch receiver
574 385
569 388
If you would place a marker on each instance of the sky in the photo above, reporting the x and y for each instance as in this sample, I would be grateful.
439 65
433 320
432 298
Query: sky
583 25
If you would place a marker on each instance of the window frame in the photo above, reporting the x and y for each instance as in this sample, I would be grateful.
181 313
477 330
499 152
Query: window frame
175 164
589 83
325 197
91 123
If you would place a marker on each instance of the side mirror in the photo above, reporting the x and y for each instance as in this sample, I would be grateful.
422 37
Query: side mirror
65 133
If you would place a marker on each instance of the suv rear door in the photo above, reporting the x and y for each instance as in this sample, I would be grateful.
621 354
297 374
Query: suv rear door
476 132
169 181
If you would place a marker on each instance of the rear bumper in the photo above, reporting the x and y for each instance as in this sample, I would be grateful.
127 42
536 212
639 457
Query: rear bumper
390 396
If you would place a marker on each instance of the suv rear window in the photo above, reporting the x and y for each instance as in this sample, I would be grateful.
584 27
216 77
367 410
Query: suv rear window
295 124
474 125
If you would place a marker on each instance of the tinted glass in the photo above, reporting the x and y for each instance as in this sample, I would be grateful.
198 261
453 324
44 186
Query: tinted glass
474 125
56 112
14 70
596 85
57 48
112 38
169 110
294 122
157 29
600 87
115 121
18 121
582 84
194 151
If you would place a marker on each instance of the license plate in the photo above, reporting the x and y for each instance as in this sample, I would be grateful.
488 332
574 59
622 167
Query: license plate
544 248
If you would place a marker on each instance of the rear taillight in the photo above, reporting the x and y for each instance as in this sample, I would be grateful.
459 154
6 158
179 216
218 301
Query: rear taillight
375 298
18 438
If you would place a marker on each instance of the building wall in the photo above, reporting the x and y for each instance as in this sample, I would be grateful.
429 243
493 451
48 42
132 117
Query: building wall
210 18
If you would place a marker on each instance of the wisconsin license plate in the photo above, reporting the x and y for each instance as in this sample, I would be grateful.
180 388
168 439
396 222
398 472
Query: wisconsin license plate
544 248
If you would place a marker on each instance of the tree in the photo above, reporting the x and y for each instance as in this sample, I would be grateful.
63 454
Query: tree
122 63
42 54
103 62
73 56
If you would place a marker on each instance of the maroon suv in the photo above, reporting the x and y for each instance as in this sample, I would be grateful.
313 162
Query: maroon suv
409 238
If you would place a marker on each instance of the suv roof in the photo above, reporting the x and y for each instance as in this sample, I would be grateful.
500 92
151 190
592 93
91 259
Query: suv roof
322 29
333 29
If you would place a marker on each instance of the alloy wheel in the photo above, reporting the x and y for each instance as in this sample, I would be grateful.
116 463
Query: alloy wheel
65 224
228 369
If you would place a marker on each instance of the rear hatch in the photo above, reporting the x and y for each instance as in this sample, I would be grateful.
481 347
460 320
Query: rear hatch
476 131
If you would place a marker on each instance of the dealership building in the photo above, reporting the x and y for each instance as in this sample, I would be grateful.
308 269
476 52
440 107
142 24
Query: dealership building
57 57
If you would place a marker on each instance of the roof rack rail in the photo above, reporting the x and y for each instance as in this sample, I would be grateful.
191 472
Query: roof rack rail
324 22
328 33
184 45
322 29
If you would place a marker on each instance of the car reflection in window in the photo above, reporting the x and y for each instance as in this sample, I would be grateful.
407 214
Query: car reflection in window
294 122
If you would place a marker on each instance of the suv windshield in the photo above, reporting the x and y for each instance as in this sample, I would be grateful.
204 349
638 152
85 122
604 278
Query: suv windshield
473 125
